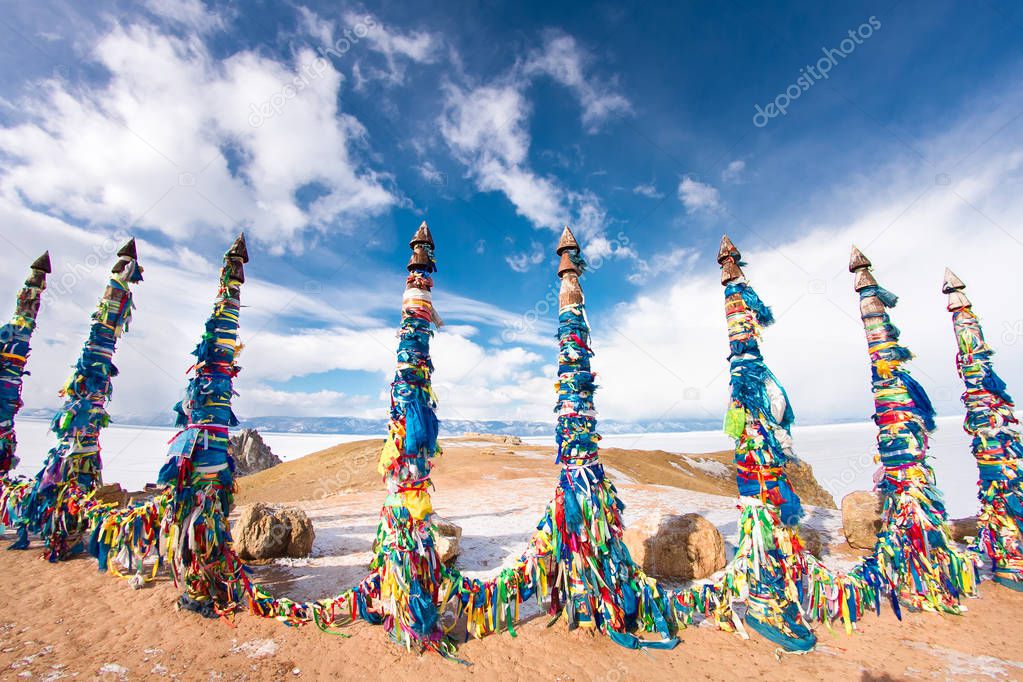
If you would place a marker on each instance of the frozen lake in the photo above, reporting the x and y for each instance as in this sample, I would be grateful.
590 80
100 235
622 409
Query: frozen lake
841 454
132 455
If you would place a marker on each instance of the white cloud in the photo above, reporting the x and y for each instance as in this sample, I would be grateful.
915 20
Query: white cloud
562 59
416 46
174 301
485 128
358 33
263 401
649 191
733 171
678 260
525 260
430 173
697 196
169 142
465 370
672 336
191 14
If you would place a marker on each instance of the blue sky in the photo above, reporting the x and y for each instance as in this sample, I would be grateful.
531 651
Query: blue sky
184 122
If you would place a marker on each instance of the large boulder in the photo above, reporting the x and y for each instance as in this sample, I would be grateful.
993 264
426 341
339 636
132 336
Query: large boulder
447 538
861 518
686 547
265 531
250 453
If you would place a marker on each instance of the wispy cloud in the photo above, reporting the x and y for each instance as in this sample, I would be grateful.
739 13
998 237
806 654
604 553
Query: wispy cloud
168 143
733 172
698 197
677 261
562 59
523 261
649 191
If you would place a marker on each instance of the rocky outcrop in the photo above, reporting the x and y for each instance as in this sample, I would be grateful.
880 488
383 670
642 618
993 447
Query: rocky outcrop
861 518
686 547
448 538
807 486
264 532
250 453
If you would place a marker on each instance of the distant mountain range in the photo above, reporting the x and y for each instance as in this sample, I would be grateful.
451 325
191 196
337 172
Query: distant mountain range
375 427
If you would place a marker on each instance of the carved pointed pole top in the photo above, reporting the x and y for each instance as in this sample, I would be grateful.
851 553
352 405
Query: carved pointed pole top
129 250
571 292
127 266
953 286
421 257
857 261
951 283
870 305
42 264
239 249
728 250
422 236
38 270
728 259
567 242
860 266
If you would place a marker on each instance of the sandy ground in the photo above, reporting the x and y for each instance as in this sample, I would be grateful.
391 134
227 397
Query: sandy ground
65 621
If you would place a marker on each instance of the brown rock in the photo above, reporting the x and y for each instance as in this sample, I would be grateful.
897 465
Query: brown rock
112 493
447 538
687 547
861 518
269 532
805 484
492 437
250 453
963 528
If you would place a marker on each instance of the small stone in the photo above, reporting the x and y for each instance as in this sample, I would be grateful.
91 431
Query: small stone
447 538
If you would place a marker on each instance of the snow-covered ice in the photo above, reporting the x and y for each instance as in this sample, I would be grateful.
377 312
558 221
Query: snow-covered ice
132 455
841 454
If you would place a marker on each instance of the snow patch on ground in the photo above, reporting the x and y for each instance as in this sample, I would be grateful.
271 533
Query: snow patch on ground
969 666
257 648
709 466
